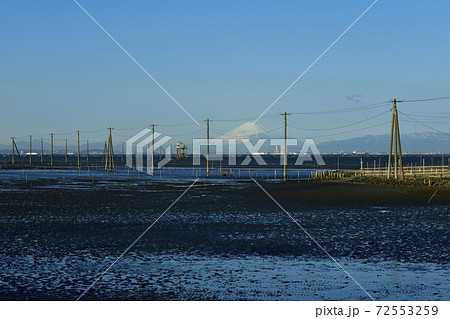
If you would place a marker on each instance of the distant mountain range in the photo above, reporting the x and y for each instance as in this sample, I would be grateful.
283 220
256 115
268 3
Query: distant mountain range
427 142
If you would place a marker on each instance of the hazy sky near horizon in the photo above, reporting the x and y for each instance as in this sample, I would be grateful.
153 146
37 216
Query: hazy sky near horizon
59 72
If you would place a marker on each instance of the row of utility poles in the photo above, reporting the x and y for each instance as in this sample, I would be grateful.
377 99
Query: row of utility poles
395 139
109 150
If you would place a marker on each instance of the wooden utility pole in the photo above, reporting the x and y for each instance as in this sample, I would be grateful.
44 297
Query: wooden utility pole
65 158
15 149
207 148
395 139
78 148
153 148
87 151
105 148
13 161
31 148
109 156
285 146
42 150
123 150
51 150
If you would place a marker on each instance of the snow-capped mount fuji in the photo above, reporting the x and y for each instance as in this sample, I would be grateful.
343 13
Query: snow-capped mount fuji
250 131
247 130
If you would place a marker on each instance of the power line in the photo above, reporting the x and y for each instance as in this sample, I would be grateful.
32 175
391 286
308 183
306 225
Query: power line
421 123
354 130
428 122
430 99
345 110
429 115
339 127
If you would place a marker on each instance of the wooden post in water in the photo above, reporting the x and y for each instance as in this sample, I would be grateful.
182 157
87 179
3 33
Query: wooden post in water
31 149
13 161
78 149
285 147
51 150
42 150
153 149
65 159
87 151
207 148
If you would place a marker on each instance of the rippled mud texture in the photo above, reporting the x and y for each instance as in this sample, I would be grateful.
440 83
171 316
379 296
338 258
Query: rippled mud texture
219 242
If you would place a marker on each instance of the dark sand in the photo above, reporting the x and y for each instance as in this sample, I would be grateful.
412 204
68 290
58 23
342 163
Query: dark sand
226 242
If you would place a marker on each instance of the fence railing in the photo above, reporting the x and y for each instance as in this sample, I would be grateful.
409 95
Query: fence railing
409 171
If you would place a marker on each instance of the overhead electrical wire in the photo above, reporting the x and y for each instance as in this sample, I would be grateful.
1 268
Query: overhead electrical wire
345 110
430 99
339 127
426 125
354 130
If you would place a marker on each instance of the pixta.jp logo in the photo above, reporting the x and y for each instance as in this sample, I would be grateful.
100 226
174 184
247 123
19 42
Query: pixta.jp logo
146 142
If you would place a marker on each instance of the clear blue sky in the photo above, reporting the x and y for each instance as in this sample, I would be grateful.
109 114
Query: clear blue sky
220 59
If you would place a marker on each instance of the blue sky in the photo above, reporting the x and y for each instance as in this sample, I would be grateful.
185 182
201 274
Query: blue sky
221 60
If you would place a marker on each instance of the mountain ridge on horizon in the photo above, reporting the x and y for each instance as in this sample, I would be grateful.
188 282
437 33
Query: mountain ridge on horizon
425 142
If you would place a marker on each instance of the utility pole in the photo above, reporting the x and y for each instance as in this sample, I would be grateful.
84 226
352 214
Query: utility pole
207 148
87 151
13 162
65 159
51 150
285 146
42 150
15 149
105 148
123 148
153 148
109 162
31 141
395 139
78 155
